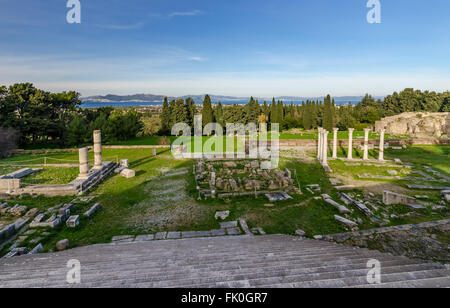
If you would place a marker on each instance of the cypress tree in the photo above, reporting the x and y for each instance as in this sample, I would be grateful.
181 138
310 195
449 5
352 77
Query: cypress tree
172 110
327 114
207 112
165 118
273 112
307 115
180 114
191 111
218 114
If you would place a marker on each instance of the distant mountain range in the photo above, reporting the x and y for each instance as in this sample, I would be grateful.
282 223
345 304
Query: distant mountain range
110 98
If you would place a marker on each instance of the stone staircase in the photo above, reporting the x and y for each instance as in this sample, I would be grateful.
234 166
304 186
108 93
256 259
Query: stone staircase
270 261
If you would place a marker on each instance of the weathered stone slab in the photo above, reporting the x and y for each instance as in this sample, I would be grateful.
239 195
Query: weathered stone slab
36 250
161 236
203 233
73 221
346 222
189 234
145 238
427 187
128 173
218 232
119 169
19 223
415 206
32 213
390 197
92 210
7 232
120 238
228 224
173 235
233 231
244 227
342 209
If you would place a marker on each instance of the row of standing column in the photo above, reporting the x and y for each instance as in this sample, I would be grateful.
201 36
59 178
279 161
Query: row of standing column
84 156
322 147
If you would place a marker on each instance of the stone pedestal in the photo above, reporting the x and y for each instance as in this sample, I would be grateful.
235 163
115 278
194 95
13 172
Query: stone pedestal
366 143
84 162
98 149
350 143
381 152
335 133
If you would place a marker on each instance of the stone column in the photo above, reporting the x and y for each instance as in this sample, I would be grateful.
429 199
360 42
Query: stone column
84 162
381 153
366 143
97 149
325 148
319 144
335 133
350 143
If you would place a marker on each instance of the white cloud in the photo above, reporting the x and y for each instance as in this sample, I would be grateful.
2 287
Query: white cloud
134 26
187 13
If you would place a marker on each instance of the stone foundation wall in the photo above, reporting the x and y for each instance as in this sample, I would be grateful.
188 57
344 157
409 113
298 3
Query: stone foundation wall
429 240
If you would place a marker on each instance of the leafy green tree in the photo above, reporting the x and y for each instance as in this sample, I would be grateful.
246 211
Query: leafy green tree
76 131
179 112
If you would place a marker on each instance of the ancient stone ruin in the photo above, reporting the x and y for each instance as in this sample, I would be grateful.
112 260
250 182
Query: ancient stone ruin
11 183
417 124
236 178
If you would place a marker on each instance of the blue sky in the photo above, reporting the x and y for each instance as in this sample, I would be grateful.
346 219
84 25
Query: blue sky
227 47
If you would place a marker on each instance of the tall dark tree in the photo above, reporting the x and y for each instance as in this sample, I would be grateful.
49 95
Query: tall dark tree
207 111
218 115
327 121
165 118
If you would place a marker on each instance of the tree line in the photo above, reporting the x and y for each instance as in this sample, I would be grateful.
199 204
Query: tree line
38 116
30 116
311 114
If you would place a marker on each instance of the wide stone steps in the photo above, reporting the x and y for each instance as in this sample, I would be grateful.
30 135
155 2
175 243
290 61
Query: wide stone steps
256 279
263 270
241 261
166 264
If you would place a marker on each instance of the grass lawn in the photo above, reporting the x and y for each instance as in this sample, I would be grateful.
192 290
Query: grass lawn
52 175
305 135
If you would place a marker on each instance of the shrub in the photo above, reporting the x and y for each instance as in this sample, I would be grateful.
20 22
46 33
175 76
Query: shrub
163 141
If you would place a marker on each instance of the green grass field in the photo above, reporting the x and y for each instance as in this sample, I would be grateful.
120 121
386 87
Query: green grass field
149 203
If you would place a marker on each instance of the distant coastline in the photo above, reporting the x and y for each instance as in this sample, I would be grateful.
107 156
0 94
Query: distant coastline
96 104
